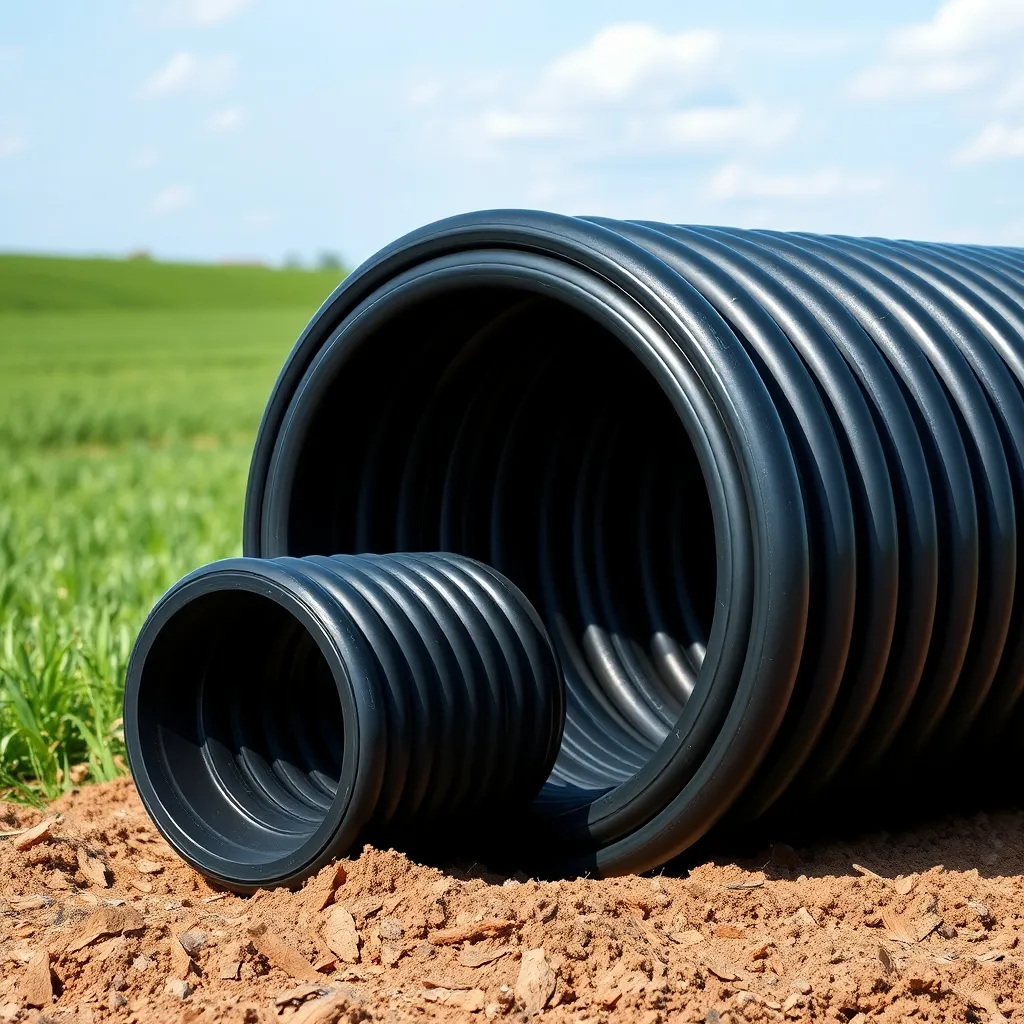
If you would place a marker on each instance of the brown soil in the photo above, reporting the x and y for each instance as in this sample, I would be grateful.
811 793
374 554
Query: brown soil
100 921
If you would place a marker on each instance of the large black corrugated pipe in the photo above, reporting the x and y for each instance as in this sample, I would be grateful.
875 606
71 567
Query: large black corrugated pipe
279 711
764 490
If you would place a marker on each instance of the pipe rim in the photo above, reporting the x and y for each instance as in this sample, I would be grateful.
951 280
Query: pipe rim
355 797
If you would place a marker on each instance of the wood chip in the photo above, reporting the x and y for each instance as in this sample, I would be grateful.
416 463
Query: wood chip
340 933
901 928
363 908
148 867
324 893
728 931
471 932
888 963
22 903
281 955
93 869
989 956
478 955
897 927
687 938
868 873
451 984
34 835
536 982
326 963
104 922
742 886
722 973
142 885
472 1000
182 964
905 884
36 984
326 1011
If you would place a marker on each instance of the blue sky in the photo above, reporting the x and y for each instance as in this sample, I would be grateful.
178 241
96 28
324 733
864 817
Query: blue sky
219 129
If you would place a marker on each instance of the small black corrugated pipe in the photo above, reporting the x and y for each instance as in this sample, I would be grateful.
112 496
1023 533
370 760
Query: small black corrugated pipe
764 490
278 711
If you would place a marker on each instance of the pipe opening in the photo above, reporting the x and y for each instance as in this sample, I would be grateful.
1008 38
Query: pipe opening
226 732
513 428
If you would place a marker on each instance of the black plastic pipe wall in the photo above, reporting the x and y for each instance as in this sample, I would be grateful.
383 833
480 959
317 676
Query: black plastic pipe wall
764 490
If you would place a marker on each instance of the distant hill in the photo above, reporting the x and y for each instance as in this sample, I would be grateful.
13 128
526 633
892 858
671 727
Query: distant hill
54 283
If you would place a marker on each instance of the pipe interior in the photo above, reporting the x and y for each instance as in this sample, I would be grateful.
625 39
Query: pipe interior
225 704
509 427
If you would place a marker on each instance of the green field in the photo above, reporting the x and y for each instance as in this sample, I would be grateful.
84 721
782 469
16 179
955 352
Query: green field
130 393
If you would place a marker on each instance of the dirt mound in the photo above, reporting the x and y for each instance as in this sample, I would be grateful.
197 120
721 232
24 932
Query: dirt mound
100 921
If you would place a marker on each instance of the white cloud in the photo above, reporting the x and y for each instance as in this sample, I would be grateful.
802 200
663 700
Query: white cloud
623 60
643 132
192 13
225 120
965 44
175 75
736 181
171 199
212 12
961 26
630 91
996 141
11 145
504 125
918 79
185 72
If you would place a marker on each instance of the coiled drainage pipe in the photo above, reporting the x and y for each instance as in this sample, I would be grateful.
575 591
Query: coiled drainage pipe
763 489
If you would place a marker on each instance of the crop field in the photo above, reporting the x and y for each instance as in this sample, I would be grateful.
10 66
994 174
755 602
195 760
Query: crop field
130 393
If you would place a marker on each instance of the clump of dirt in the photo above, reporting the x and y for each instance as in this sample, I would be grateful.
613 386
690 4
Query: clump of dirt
100 921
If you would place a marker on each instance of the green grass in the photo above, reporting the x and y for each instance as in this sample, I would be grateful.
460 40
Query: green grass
55 284
125 435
